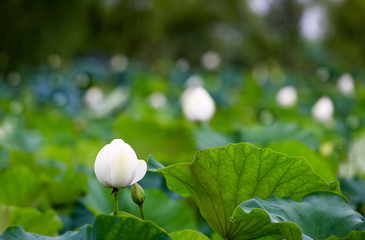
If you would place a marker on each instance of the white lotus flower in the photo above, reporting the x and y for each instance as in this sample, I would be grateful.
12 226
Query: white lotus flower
197 104
210 60
323 109
117 166
287 96
355 166
346 85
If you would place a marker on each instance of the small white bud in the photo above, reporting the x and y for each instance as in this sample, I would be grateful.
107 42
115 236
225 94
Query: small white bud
323 109
197 104
345 84
287 96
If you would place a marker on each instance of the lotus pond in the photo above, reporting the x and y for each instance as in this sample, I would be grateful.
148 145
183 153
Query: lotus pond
260 166
163 120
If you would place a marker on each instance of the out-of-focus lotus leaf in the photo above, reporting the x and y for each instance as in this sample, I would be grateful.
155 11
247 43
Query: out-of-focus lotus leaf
46 223
19 186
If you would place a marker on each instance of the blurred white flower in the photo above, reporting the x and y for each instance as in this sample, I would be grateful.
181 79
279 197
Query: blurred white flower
119 62
260 7
210 60
345 84
287 96
117 166
94 96
355 166
157 100
197 104
357 155
345 170
323 109
313 24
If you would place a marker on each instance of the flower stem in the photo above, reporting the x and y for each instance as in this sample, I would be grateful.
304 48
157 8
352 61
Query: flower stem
141 209
116 205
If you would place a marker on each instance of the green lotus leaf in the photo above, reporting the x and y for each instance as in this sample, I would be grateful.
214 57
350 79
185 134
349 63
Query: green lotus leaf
105 227
19 186
32 220
320 215
221 178
320 166
126 227
187 235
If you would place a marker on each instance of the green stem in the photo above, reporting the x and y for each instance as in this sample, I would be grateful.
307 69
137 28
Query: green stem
142 213
116 205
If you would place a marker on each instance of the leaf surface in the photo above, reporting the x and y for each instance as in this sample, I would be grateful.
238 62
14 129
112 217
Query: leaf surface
105 227
32 220
321 215
221 178
187 235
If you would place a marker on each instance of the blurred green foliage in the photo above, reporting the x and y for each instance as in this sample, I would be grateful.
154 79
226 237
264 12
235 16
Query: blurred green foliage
159 31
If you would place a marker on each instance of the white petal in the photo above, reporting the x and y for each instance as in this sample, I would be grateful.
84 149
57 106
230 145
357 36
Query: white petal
115 146
102 166
122 170
129 150
140 171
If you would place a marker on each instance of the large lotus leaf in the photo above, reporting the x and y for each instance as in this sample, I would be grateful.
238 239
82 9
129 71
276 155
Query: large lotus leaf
19 186
30 219
17 233
321 166
187 235
221 178
319 215
126 227
105 227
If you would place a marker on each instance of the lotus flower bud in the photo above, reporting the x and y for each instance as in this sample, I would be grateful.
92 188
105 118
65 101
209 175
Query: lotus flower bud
117 166
287 96
346 85
137 194
197 104
323 109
